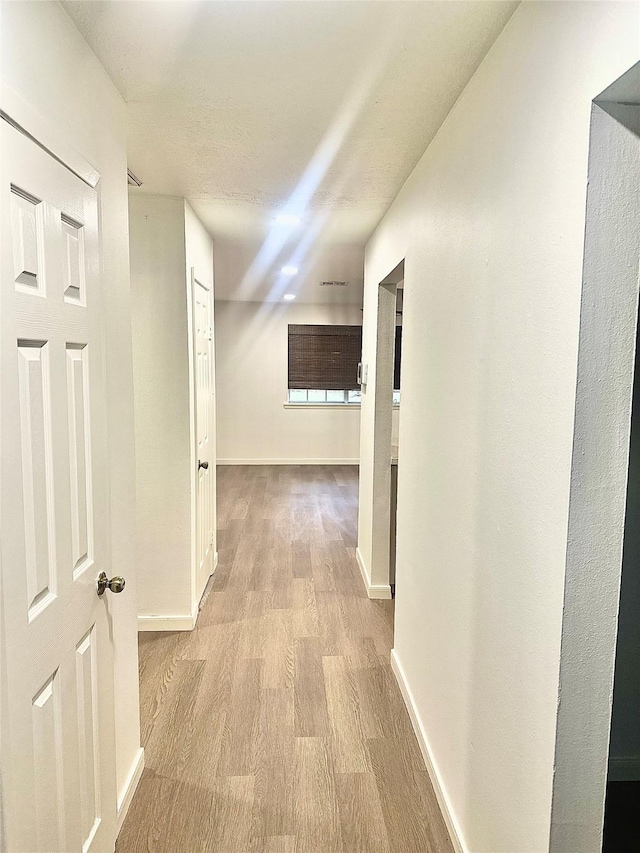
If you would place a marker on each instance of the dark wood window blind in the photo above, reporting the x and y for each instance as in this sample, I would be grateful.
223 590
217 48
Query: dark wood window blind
324 357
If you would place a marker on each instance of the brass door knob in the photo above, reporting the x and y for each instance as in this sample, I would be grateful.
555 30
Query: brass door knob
115 584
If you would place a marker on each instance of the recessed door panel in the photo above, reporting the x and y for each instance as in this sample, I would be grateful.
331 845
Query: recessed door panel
86 687
27 228
73 260
37 473
48 751
79 456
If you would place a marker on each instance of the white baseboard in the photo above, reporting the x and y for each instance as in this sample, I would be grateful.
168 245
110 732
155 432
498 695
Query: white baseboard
624 769
126 795
379 590
443 801
288 461
167 623
155 622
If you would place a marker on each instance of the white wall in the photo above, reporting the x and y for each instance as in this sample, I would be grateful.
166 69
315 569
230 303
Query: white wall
47 62
251 363
167 239
491 227
161 383
595 530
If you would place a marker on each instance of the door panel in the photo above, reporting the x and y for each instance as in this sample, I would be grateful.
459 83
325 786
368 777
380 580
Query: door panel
59 727
37 473
86 686
48 750
79 456
205 414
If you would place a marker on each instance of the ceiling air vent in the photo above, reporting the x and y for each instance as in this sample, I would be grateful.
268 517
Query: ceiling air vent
334 283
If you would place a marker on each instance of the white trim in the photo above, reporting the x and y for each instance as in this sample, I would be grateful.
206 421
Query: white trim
321 405
126 795
624 769
153 622
455 833
327 405
355 461
378 590
21 115
363 568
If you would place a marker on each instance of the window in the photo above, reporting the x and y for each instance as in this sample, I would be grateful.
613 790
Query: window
323 364
312 395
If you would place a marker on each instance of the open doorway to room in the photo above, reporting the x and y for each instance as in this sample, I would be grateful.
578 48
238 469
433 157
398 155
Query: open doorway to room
376 540
395 434
591 751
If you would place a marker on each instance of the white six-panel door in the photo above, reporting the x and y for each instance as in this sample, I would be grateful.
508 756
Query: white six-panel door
205 429
58 729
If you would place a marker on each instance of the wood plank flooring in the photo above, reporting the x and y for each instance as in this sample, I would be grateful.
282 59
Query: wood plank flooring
277 725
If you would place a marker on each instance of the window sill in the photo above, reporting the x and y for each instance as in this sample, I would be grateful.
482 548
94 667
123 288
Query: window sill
327 405
321 405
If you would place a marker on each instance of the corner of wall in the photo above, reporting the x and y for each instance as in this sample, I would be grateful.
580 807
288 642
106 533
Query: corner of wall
381 590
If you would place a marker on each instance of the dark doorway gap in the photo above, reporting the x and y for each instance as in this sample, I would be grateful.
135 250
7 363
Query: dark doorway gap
621 828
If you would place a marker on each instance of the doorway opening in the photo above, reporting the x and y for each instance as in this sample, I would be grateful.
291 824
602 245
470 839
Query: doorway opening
600 466
395 435
379 570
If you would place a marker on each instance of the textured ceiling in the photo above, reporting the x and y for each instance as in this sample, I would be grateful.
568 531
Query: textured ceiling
252 108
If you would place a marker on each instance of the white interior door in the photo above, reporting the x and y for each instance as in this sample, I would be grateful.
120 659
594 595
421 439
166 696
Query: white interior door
58 717
205 428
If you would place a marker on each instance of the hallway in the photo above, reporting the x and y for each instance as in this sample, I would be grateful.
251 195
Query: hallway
277 725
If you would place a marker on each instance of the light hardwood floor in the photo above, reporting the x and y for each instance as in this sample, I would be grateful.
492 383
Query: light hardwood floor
277 725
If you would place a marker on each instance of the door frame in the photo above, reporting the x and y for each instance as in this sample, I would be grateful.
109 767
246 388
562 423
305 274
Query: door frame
598 488
376 575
